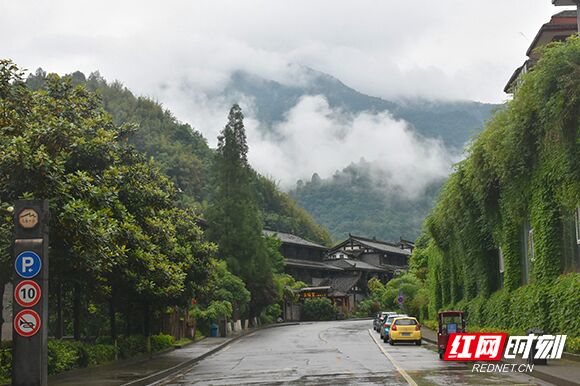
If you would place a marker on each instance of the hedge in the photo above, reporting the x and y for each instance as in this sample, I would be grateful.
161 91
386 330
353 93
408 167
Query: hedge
520 174
5 362
318 309
553 308
65 355
161 342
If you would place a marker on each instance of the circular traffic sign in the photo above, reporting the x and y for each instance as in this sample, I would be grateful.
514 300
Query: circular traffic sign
27 293
28 264
27 323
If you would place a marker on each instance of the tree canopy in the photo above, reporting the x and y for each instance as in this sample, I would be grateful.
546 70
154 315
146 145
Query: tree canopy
115 227
235 221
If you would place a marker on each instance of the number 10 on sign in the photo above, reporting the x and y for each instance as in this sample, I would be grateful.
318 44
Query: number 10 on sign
27 293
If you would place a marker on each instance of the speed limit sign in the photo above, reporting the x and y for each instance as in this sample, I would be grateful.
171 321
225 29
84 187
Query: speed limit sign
27 293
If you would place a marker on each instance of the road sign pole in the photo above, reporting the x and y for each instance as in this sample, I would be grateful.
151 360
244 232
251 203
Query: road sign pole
30 298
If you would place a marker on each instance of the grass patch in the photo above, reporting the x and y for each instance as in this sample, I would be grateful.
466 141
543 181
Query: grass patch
182 342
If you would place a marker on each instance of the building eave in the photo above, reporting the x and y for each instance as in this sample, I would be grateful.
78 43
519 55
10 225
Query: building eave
573 28
560 3
508 89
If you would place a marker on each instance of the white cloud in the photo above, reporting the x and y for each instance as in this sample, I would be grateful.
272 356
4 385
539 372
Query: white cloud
434 49
317 138
390 48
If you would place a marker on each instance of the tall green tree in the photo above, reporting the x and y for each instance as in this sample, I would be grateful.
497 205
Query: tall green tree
234 217
115 228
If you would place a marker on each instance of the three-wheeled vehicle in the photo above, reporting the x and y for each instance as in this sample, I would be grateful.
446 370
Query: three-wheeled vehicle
449 322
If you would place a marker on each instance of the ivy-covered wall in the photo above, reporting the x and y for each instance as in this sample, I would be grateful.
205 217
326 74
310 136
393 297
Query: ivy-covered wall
524 168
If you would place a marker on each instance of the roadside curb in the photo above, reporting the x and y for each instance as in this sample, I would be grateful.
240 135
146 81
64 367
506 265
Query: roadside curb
429 339
536 374
163 374
178 347
550 378
570 356
112 365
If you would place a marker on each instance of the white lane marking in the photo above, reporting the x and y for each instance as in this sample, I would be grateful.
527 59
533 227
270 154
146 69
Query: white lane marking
401 371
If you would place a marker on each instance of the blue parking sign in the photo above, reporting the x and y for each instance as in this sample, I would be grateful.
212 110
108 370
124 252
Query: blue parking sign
28 264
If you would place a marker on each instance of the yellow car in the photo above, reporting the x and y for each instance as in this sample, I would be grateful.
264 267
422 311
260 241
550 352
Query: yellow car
405 329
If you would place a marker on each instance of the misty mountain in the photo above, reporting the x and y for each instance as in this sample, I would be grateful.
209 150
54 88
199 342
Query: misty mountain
361 198
355 200
183 154
454 122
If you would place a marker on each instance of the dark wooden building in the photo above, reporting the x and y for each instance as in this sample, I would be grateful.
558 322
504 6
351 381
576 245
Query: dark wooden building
341 273
303 259
368 258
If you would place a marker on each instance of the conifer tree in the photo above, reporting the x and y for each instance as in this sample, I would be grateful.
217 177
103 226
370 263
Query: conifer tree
234 217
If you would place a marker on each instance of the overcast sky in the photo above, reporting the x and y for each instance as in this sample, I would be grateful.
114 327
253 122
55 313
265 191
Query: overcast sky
387 48
451 49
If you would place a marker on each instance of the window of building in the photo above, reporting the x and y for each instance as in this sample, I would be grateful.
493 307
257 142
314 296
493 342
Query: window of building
577 221
501 268
571 242
528 254
384 259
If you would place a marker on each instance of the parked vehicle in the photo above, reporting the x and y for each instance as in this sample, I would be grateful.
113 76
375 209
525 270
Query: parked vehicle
449 322
405 329
384 330
379 319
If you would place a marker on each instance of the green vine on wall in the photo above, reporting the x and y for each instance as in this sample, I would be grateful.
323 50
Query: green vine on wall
524 168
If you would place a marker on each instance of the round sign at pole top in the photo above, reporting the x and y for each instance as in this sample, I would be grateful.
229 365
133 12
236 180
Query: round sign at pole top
28 264
27 323
27 293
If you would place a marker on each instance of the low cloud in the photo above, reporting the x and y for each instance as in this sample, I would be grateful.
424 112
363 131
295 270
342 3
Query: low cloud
316 138
431 49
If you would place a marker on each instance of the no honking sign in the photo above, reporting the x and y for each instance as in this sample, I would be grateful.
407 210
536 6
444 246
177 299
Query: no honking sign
27 323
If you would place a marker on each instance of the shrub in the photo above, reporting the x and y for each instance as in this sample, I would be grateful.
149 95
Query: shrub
198 335
553 308
368 307
161 342
132 345
63 356
564 303
318 309
572 345
271 313
5 362
509 331
528 307
96 354
432 324
215 311
476 311
496 309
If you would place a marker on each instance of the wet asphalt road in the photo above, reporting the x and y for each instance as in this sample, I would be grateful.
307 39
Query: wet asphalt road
333 353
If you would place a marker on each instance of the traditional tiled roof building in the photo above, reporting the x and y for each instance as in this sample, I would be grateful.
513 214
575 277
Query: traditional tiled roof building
342 272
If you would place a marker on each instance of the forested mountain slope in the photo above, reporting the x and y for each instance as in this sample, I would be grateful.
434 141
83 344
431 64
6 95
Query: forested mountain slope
185 156
355 201
454 122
